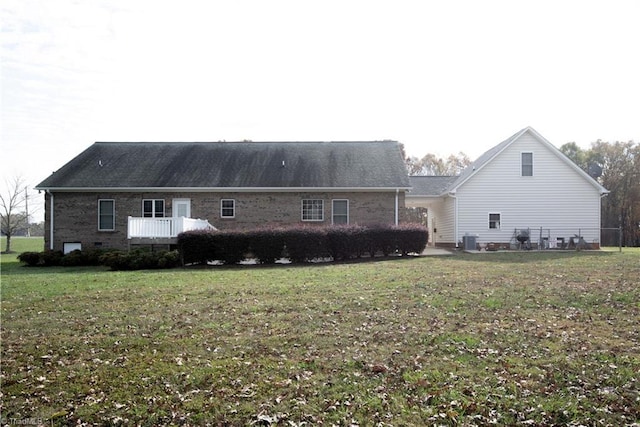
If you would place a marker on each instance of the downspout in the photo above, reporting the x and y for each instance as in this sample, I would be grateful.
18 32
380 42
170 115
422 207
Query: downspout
50 219
397 193
602 196
455 218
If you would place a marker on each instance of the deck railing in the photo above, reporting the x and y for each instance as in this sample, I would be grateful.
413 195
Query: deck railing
156 228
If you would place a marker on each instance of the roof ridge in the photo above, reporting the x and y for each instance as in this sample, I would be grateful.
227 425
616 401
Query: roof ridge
250 142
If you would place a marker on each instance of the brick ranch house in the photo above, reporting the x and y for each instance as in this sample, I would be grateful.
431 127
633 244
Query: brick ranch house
115 194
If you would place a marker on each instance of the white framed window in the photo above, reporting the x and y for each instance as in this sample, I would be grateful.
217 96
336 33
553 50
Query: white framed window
153 208
526 163
494 221
340 211
106 215
313 210
68 247
227 208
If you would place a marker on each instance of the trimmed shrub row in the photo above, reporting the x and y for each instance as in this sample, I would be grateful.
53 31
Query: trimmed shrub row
138 259
266 245
301 244
57 258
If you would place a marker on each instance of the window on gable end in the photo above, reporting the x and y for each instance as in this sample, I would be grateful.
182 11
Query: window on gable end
527 164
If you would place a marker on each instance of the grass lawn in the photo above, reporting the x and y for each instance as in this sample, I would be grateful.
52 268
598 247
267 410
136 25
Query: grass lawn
504 338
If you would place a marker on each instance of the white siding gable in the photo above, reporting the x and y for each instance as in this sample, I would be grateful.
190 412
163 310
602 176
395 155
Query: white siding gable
556 197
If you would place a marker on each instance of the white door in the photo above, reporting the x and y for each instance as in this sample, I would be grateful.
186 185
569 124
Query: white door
182 208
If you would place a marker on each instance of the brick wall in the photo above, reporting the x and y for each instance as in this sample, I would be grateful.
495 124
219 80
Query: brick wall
76 214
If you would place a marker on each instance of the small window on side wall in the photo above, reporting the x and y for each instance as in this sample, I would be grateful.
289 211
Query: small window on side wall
494 221
68 247
106 215
527 164
313 210
340 211
227 208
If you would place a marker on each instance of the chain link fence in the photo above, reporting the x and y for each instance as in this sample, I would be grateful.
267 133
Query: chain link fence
540 238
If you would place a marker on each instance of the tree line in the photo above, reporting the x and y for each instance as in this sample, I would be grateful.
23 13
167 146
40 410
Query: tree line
432 165
617 167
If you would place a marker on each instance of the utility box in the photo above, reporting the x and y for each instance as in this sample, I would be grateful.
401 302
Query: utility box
469 242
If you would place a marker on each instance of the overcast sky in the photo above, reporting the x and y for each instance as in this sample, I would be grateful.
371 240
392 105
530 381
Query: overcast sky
440 77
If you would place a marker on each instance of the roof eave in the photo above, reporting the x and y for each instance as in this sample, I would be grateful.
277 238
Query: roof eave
423 196
222 189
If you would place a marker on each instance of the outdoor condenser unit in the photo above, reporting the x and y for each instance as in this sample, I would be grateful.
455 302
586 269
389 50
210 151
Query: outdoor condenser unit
469 242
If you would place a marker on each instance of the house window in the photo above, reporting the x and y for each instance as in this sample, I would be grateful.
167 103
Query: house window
313 210
227 208
153 208
340 212
527 164
494 221
106 215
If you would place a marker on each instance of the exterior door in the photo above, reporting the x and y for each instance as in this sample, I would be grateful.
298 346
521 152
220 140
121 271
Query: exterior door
433 230
182 208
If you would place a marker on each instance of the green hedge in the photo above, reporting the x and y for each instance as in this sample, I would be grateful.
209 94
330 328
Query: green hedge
301 244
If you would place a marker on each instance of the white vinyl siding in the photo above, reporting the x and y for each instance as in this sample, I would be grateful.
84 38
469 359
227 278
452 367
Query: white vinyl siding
442 214
557 197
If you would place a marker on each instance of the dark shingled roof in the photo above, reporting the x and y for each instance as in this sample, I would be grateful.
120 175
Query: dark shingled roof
133 165
430 185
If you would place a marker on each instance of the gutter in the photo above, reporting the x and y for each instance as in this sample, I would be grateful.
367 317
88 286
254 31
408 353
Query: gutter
225 189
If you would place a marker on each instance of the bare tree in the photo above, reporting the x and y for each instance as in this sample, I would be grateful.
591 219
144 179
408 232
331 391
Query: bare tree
455 164
12 218
432 165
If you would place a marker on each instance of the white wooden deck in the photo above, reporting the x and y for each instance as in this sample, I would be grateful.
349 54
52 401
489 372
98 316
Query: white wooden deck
163 228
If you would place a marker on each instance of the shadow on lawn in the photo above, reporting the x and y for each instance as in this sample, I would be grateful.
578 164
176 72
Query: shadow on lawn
18 268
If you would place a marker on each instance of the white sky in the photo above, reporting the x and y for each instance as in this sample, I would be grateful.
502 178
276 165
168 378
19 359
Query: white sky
438 76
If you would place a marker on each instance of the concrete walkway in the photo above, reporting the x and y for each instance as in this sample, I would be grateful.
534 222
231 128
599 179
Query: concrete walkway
431 251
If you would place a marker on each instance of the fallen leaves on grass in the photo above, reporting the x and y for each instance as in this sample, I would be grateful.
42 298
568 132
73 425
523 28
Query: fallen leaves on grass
460 341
